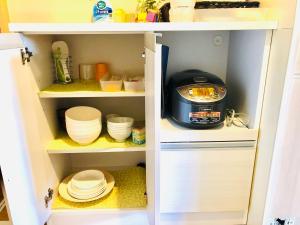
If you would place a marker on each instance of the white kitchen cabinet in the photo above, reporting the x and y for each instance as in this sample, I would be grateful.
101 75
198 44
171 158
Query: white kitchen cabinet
37 124
221 167
202 179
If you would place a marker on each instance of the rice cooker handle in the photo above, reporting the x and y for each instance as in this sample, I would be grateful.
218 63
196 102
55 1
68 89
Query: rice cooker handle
200 79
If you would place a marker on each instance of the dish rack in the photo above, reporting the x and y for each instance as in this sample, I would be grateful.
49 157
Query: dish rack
69 65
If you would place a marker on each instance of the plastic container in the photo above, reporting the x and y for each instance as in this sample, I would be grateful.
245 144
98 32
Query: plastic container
182 3
182 10
134 83
119 16
87 71
111 83
182 14
101 71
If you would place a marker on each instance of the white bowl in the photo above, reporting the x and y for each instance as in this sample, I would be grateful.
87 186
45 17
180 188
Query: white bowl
88 179
120 128
120 122
111 116
120 136
83 124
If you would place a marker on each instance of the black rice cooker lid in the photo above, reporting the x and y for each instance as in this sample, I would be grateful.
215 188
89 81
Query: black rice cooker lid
198 86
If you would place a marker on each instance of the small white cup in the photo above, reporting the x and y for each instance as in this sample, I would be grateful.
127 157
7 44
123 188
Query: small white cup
87 71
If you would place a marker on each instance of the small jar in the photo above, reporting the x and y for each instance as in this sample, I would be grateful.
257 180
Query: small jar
138 135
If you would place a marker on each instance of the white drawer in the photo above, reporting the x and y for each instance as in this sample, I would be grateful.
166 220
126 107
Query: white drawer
206 180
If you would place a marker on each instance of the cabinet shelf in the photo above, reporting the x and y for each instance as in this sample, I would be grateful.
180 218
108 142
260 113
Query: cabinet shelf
87 89
64 145
127 194
99 28
171 132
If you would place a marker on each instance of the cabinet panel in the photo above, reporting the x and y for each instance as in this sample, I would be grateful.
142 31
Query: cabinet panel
206 180
152 106
22 165
284 192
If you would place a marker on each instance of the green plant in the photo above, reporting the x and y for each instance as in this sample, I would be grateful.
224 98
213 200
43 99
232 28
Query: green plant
146 5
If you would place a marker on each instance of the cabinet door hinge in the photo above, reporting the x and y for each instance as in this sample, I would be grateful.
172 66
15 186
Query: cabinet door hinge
48 197
26 55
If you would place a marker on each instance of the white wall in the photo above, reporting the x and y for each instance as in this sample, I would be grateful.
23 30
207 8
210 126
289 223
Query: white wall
284 187
58 10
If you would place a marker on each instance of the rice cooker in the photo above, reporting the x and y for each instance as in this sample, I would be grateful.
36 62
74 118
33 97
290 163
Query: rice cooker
197 99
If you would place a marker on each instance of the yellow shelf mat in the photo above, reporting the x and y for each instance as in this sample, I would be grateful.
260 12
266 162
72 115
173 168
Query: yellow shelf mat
64 142
75 86
129 192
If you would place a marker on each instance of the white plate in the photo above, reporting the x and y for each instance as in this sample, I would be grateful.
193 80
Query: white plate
78 192
64 49
86 191
88 179
63 188
87 196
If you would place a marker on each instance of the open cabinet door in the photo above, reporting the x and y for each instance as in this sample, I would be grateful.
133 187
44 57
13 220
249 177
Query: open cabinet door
153 107
22 158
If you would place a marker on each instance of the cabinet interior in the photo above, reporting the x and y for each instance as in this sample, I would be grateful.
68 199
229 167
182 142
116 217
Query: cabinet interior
238 57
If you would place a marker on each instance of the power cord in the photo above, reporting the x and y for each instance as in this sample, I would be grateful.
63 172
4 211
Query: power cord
237 119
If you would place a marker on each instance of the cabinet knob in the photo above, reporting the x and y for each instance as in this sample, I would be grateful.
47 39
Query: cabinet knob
26 55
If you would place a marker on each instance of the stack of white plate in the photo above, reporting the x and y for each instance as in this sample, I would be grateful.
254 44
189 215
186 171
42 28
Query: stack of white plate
85 186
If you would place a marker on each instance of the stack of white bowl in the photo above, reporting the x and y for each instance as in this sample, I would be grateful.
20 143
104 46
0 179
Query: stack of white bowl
84 124
87 185
119 128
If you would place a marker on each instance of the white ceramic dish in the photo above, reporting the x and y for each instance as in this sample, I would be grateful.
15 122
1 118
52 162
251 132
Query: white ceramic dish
77 191
120 137
120 122
84 196
111 116
120 128
63 189
83 124
88 179
62 45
